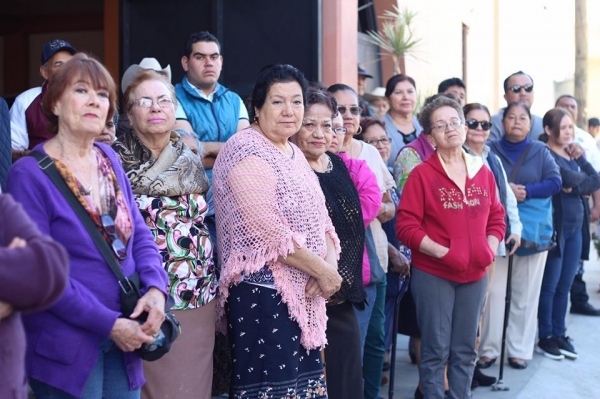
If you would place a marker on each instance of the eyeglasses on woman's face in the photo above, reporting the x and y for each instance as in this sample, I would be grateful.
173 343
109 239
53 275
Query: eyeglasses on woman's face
441 127
146 102
378 142
472 124
354 110
340 131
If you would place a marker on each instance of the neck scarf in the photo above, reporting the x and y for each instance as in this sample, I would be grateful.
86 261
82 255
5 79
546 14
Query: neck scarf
177 170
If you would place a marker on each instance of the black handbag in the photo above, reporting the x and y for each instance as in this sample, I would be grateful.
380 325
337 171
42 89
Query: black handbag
130 286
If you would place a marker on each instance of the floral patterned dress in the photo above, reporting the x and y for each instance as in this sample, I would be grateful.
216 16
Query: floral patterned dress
177 224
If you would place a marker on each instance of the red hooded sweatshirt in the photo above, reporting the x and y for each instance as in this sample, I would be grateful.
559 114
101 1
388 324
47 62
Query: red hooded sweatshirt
433 205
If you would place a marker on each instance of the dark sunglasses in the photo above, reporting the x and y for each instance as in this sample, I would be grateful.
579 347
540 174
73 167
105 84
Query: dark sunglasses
355 110
517 88
108 224
472 124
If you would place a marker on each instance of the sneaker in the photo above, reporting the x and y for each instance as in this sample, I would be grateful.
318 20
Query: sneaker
549 348
566 347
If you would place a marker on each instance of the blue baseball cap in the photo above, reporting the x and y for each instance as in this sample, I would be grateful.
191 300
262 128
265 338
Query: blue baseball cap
54 47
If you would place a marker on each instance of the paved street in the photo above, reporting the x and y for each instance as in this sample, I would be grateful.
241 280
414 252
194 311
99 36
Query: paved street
544 378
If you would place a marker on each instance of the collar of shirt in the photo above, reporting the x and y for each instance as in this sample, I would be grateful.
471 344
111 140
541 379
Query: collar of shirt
201 93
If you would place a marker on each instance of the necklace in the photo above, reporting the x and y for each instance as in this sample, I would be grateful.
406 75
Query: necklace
325 164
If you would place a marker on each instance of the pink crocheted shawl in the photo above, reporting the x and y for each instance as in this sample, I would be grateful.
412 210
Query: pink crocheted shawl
265 203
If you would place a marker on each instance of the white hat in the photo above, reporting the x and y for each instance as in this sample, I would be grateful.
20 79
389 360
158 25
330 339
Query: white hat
377 94
147 63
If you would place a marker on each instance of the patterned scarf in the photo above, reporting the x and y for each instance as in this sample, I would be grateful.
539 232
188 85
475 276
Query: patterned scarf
177 171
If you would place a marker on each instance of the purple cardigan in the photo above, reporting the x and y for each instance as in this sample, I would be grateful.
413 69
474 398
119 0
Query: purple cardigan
63 342
42 258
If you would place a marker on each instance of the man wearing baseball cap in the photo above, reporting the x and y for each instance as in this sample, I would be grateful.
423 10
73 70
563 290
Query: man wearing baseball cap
29 124
363 75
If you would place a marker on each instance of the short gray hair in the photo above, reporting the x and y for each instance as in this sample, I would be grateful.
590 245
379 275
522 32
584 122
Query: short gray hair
186 133
429 109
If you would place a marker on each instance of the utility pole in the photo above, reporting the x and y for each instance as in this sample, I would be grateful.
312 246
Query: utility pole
581 50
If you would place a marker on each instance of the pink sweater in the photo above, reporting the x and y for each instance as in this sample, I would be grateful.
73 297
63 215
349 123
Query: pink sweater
267 203
370 199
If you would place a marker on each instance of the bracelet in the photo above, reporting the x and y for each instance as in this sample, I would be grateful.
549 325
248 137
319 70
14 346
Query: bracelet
385 208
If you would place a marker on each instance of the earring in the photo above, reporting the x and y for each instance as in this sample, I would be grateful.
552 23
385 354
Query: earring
359 130
255 119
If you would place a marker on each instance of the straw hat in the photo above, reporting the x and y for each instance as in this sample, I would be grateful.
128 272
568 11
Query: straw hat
377 94
147 63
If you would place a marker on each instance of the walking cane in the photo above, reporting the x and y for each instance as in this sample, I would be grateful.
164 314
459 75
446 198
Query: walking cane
500 385
401 292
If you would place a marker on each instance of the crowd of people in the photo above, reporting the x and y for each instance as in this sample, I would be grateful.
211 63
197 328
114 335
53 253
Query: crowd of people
293 226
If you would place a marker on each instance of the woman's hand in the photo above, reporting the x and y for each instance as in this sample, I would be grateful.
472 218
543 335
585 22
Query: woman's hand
517 243
128 335
329 281
399 262
153 302
519 190
574 150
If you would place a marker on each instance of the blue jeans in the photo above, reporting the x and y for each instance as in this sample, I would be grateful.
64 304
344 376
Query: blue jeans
558 278
374 350
364 316
108 379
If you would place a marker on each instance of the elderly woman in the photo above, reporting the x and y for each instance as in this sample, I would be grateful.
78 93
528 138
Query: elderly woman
82 340
371 320
25 252
342 354
478 130
449 206
534 178
401 125
277 246
169 185
571 215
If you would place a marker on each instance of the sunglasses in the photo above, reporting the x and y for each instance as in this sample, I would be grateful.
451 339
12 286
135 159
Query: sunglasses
472 124
354 110
108 224
517 88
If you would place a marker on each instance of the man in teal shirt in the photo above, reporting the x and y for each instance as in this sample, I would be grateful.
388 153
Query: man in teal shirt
207 108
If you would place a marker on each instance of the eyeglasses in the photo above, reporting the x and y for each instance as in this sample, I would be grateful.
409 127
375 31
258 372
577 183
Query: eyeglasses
340 131
442 126
354 110
485 125
145 102
517 88
108 224
384 141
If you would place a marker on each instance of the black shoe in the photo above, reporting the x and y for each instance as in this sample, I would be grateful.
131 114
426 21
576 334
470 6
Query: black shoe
586 309
549 348
482 379
484 365
418 393
566 347
517 365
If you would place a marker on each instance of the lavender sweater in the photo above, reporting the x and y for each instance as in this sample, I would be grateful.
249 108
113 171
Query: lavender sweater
48 263
63 342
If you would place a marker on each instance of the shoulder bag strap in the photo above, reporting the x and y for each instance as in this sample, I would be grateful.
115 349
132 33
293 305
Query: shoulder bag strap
47 165
515 169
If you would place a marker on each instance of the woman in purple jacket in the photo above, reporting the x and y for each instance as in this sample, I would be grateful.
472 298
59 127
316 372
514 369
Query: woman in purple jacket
24 253
82 340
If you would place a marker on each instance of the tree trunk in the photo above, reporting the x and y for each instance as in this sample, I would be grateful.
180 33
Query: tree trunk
581 50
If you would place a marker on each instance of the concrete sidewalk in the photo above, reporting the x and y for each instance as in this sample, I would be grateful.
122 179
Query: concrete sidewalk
544 378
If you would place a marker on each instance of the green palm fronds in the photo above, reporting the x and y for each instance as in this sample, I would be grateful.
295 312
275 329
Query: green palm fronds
396 37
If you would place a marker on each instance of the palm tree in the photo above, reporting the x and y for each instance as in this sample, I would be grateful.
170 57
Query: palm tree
396 37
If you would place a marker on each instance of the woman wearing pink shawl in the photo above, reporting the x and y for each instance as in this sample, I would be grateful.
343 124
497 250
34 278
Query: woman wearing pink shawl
278 247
